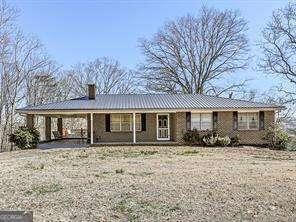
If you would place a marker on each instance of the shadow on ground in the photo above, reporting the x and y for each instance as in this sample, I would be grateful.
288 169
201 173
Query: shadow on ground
63 144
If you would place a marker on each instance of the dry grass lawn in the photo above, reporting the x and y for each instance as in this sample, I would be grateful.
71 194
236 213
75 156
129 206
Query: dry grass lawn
150 184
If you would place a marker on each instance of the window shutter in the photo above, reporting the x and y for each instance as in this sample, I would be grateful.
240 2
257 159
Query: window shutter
215 120
107 122
188 120
261 120
143 121
88 126
235 120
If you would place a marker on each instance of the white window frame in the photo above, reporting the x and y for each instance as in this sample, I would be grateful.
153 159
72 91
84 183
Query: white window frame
200 121
139 123
248 122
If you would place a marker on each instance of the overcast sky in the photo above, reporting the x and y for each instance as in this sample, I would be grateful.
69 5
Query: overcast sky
76 31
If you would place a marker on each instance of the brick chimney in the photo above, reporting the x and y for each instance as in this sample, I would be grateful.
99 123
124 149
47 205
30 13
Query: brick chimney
91 91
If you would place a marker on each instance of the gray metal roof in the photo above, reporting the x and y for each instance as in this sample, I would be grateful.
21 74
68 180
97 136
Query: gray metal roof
149 101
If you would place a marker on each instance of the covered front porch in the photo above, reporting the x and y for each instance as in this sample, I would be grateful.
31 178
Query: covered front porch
113 128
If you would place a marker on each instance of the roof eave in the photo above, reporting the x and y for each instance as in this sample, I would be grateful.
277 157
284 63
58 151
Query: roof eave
172 110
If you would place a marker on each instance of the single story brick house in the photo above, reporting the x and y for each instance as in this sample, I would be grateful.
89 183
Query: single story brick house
151 118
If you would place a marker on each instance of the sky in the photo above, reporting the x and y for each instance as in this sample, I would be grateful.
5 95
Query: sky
82 30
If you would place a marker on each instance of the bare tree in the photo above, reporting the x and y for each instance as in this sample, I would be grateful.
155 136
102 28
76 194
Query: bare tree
106 73
8 15
187 55
279 49
43 85
25 58
21 59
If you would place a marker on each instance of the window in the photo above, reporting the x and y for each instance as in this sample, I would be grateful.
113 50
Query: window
124 122
248 121
201 121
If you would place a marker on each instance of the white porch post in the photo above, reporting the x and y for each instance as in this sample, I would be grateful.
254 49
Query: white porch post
91 128
134 128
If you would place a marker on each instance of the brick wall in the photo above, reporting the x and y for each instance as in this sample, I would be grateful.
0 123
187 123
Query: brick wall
178 128
225 127
172 126
100 134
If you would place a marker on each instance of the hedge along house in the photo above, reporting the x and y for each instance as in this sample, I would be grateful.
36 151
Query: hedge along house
153 118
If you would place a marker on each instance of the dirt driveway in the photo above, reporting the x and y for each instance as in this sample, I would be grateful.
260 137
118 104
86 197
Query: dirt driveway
150 184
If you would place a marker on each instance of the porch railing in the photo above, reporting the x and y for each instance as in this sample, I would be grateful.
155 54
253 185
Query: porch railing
70 134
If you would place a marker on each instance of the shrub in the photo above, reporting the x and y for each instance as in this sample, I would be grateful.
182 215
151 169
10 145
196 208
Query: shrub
223 141
210 140
291 146
277 138
25 138
235 140
191 137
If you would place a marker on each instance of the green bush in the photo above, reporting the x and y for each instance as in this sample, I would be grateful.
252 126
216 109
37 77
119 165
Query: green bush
191 137
223 141
211 139
235 140
277 138
292 143
291 146
25 138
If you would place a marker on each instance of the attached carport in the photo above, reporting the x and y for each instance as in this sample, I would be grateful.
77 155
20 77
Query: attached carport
81 131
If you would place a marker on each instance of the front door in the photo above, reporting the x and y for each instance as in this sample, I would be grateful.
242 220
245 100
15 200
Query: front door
163 127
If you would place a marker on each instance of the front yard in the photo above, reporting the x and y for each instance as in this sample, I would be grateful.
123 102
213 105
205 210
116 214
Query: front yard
150 183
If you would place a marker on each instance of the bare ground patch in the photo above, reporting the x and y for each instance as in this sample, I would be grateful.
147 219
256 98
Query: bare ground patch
150 183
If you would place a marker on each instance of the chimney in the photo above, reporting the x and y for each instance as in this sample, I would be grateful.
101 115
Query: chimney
230 95
91 91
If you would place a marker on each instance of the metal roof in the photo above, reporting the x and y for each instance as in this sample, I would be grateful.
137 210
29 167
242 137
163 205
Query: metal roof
148 102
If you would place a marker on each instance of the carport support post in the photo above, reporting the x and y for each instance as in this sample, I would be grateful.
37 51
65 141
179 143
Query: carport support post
88 127
30 119
134 128
91 128
47 128
60 127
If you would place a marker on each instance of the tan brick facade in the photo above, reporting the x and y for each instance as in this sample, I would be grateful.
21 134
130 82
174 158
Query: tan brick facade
100 134
178 128
225 127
